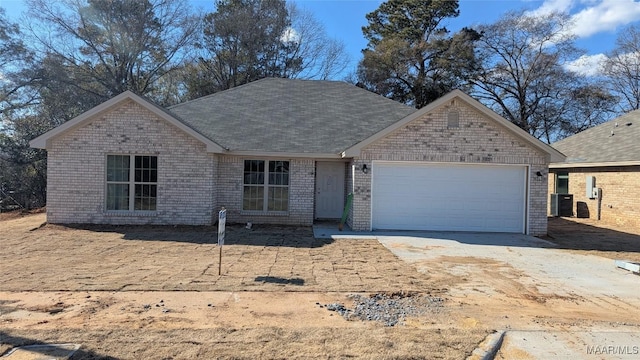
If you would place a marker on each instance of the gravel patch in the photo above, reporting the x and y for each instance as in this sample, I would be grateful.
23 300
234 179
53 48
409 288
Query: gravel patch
390 309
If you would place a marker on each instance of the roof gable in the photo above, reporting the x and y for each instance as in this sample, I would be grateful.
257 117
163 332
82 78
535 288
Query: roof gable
42 141
615 142
355 150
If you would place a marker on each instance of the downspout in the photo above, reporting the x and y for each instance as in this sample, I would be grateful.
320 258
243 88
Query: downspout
599 195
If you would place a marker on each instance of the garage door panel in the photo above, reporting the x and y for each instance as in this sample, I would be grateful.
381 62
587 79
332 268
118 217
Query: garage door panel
419 196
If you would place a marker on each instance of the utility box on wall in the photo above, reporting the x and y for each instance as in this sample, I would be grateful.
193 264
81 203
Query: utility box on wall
562 205
591 184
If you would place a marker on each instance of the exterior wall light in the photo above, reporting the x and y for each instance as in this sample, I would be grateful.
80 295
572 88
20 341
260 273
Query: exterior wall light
538 174
364 168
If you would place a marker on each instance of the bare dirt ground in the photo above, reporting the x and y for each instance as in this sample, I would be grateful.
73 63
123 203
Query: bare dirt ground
588 236
155 293
492 293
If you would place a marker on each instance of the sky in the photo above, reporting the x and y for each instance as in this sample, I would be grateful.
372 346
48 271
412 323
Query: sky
597 22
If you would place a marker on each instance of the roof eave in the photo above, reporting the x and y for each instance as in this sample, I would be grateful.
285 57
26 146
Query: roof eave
273 154
44 141
564 165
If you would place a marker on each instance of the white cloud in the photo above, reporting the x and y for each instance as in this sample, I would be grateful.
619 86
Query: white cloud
605 15
550 6
593 16
587 65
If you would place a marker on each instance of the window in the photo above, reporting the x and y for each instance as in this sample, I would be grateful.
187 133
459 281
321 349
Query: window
122 177
453 120
562 182
266 186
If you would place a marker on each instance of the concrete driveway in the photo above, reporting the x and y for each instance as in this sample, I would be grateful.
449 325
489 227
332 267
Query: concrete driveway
552 271
553 303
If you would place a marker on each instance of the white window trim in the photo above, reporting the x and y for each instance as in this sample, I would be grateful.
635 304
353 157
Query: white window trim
132 186
265 185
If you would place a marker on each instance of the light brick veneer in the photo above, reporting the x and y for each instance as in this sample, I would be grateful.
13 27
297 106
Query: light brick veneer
194 184
620 193
478 139
301 192
76 170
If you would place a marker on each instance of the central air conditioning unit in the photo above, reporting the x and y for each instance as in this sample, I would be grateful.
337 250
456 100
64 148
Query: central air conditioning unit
562 205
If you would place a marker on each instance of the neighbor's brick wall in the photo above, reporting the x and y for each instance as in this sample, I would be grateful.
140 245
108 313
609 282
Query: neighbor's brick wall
77 161
301 192
620 193
476 140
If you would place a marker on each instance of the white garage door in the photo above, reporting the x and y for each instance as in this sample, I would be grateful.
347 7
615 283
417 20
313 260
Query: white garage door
418 196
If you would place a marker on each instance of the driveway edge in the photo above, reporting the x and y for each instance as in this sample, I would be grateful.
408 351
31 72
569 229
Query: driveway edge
489 347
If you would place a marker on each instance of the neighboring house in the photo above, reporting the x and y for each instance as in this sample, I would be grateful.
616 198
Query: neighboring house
288 151
608 157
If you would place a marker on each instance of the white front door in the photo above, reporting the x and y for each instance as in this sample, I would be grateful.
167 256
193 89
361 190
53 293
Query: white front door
329 189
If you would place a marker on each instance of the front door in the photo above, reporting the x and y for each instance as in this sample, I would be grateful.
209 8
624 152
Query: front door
329 189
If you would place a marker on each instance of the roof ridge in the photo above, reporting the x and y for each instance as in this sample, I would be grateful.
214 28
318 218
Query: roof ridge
265 79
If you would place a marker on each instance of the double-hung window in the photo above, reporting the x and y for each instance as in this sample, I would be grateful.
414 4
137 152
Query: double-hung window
132 182
266 186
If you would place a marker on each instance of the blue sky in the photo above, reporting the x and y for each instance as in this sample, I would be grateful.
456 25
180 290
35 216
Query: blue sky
597 22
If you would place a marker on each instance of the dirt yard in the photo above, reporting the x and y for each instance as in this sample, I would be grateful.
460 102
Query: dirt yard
155 293
588 236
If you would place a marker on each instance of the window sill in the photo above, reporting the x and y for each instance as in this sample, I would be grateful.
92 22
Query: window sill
264 213
127 213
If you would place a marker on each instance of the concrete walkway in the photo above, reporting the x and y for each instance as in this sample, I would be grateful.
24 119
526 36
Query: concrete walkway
569 345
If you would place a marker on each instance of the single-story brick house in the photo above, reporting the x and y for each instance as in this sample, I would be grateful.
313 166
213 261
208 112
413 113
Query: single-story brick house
288 151
605 157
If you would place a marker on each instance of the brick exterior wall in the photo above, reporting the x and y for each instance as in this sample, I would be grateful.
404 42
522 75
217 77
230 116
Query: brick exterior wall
193 184
620 193
77 161
476 140
301 192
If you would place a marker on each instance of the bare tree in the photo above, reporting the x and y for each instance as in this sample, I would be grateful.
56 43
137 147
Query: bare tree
104 47
522 76
622 68
246 40
322 57
17 69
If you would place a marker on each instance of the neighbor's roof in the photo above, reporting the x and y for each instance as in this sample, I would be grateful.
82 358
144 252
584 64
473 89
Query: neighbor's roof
293 116
614 143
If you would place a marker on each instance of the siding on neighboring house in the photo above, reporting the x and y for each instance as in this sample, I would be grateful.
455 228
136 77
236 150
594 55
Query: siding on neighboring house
477 139
620 193
77 162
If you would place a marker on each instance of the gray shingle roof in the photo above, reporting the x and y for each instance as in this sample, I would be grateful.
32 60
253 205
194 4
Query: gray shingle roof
614 141
295 116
